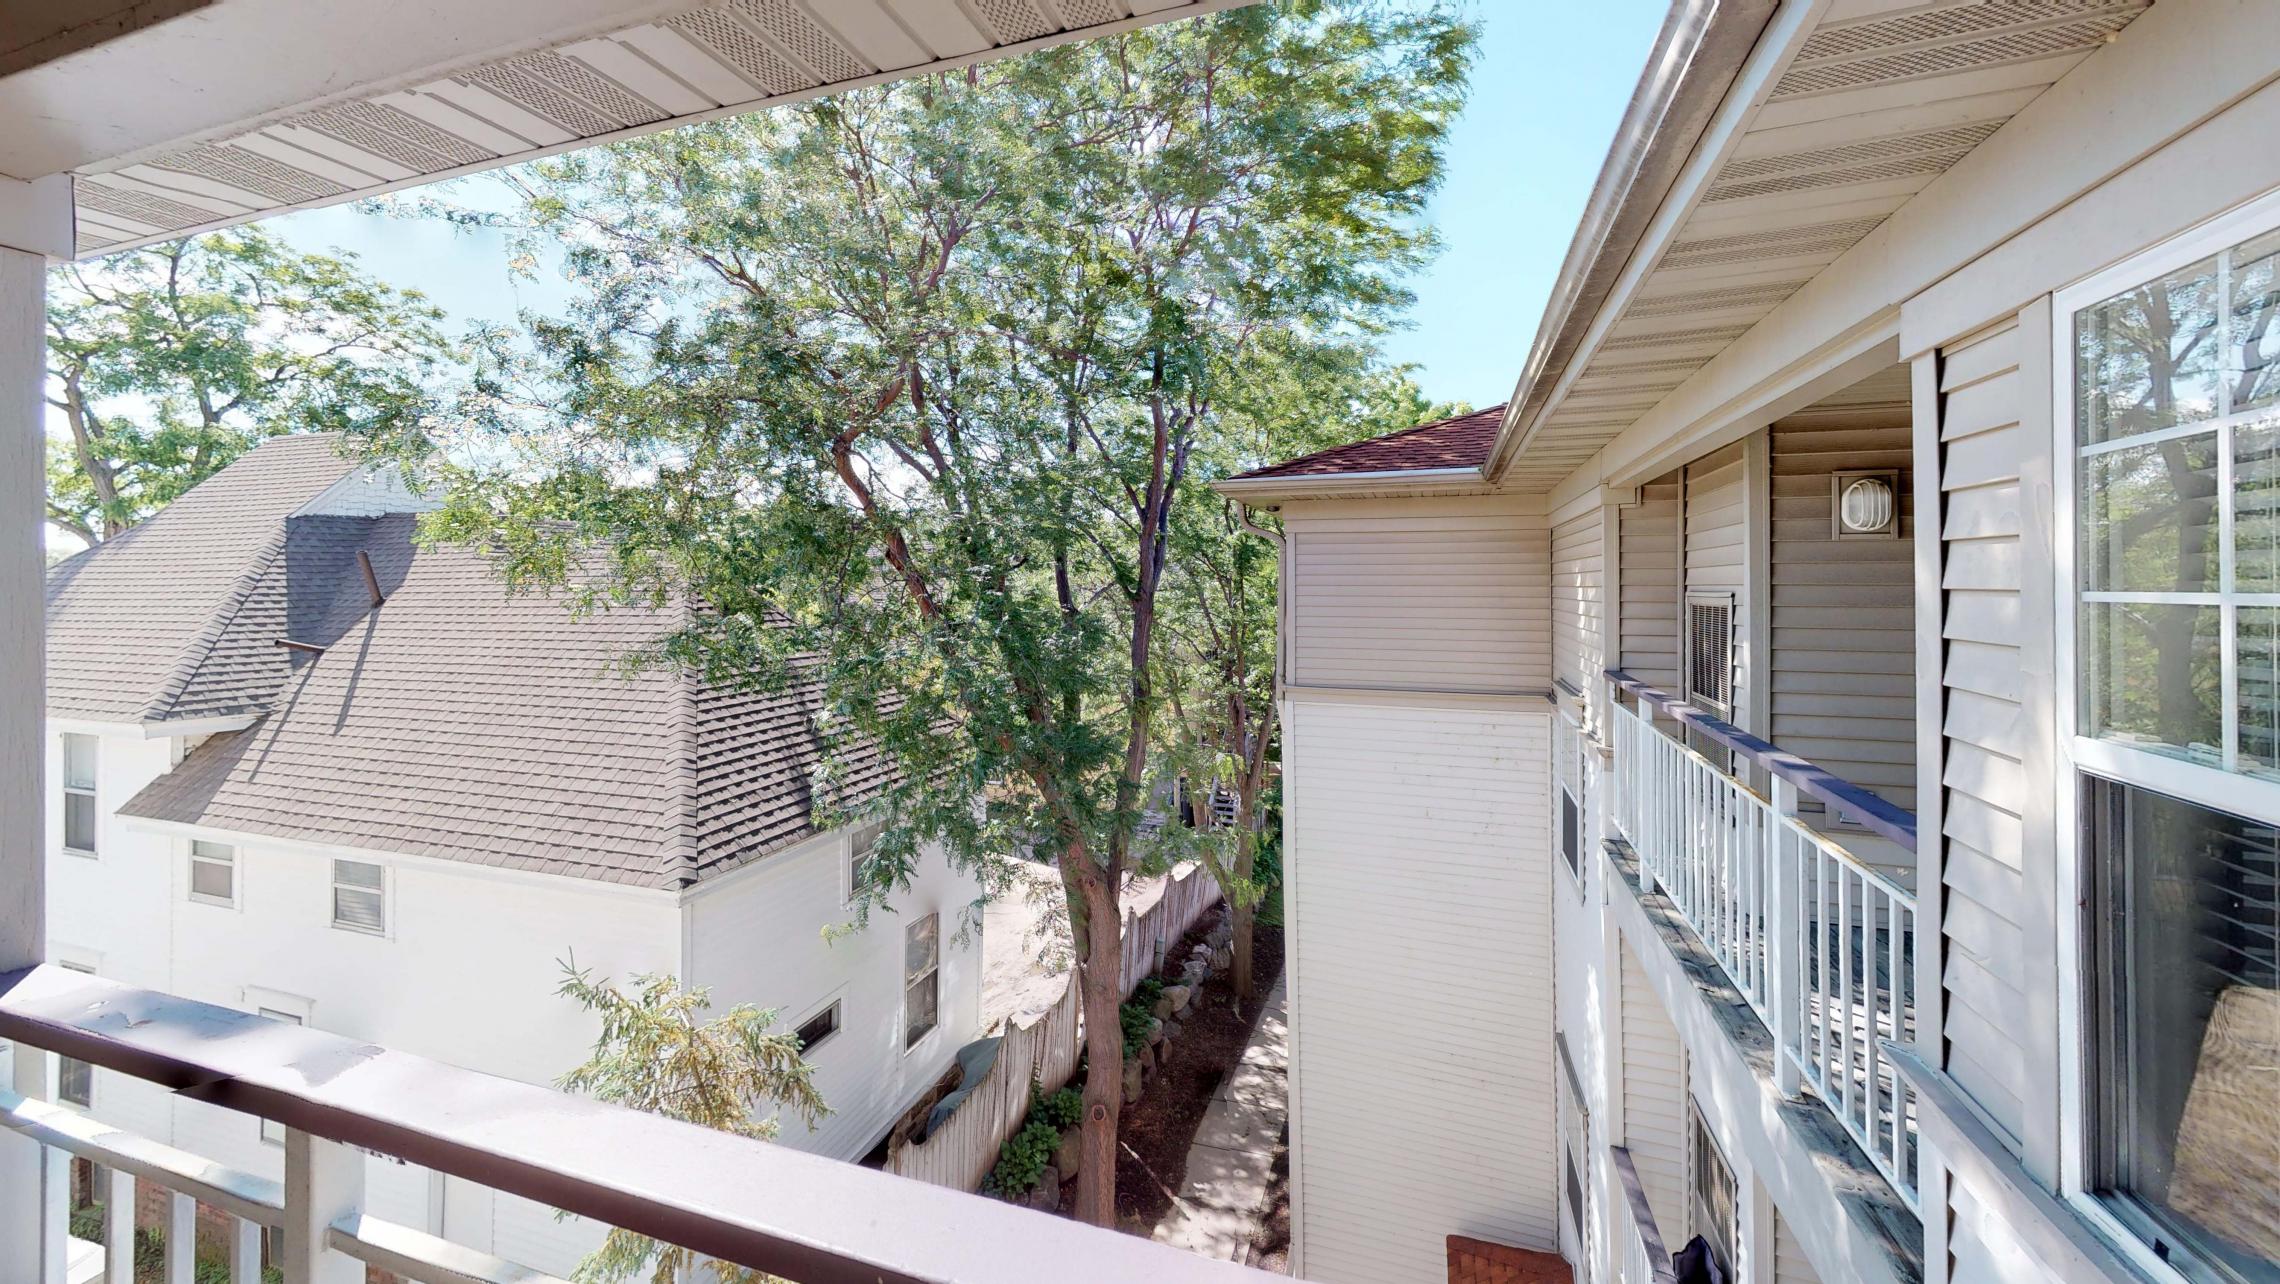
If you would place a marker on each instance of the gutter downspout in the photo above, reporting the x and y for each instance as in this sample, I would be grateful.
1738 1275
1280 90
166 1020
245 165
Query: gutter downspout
1697 57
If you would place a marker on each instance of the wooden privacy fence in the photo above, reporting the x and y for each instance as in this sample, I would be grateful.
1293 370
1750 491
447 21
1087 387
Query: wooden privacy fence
1045 1048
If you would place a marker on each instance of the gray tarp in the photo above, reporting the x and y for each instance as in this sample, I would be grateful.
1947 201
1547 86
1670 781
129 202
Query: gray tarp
974 1062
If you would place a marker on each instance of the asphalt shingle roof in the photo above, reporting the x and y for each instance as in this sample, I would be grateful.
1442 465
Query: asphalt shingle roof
454 720
129 620
1461 442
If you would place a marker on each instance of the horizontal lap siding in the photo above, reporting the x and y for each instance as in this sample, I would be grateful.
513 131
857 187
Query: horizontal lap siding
1649 584
1844 616
1439 595
1789 1262
1577 594
1718 548
1982 729
1421 974
1654 1100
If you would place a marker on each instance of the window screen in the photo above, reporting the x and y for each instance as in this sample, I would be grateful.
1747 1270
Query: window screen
359 896
213 872
79 792
2185 932
1710 652
922 958
1714 1205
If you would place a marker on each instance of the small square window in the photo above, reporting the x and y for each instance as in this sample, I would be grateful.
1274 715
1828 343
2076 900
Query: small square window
360 897
79 757
213 873
817 1028
922 958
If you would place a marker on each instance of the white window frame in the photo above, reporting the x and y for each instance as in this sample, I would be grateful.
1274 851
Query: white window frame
838 1025
93 792
860 839
2216 788
932 974
386 890
231 861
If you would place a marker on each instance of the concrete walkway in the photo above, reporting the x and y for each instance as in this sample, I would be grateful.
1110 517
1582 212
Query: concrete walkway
1229 1167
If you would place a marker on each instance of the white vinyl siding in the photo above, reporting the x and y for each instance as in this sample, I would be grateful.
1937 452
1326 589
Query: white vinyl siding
1717 549
1789 1262
1844 615
1983 731
1432 595
1420 885
1649 583
1654 1100
1577 597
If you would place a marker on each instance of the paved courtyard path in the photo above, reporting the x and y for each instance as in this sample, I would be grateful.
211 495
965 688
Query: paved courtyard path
1224 1198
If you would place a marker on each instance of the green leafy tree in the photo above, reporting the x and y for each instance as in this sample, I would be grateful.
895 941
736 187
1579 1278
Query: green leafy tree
657 1052
1220 607
906 384
166 363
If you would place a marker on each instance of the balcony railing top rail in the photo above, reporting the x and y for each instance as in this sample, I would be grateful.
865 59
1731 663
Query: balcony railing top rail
767 1207
1642 1256
1877 814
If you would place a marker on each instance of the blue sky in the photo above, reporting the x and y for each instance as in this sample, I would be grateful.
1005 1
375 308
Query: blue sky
1549 86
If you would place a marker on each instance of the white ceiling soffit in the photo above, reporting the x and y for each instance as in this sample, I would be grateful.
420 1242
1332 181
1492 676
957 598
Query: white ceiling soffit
1882 97
691 64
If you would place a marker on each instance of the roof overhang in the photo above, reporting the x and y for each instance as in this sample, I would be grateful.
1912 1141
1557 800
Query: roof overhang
1697 56
1390 483
1764 143
171 117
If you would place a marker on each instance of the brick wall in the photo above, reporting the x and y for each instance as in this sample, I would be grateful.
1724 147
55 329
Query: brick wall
1477 1261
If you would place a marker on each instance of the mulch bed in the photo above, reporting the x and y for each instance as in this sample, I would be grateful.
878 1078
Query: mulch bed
1154 1136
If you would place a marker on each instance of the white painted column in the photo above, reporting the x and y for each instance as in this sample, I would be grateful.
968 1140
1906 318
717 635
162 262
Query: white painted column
25 1173
181 1238
1785 945
324 1182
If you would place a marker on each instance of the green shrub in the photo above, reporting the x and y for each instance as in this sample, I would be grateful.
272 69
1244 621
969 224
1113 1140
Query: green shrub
1059 1111
1023 1159
1149 990
1137 1020
87 1223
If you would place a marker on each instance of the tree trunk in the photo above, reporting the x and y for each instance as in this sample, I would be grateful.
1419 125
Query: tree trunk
1101 990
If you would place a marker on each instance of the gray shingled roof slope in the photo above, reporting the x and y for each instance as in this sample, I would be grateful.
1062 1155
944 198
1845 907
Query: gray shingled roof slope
129 620
460 722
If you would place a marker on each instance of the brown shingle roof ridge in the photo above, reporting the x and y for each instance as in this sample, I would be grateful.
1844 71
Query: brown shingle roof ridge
193 655
1373 444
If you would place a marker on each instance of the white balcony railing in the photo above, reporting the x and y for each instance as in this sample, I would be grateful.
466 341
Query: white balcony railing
1817 941
1640 1255
766 1207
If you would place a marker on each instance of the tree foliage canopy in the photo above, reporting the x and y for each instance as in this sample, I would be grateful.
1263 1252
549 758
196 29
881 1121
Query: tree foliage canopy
908 387
656 1052
164 364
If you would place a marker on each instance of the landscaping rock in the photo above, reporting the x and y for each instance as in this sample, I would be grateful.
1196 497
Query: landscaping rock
1155 1031
1047 1196
1163 1006
1176 998
1132 1080
1223 958
1069 1156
